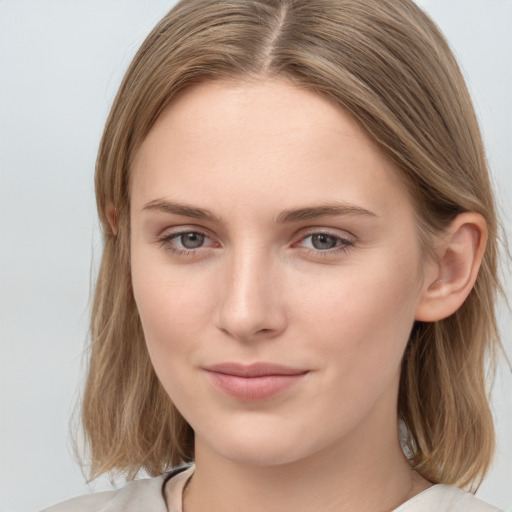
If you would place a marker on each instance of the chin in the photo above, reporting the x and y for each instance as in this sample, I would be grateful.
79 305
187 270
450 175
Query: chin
259 446
269 456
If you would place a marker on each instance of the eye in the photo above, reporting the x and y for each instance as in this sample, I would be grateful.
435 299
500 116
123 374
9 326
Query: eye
185 242
191 240
323 242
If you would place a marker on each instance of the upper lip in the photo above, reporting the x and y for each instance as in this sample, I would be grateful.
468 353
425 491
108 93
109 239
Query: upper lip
259 369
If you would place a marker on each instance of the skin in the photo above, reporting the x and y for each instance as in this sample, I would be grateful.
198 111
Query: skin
251 289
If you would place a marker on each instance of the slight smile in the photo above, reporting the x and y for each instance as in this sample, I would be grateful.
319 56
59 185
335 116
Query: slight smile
253 382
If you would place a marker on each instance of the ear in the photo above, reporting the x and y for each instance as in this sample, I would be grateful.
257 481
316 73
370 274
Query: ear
112 217
455 270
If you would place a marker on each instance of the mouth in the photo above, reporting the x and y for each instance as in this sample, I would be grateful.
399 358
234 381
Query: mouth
258 381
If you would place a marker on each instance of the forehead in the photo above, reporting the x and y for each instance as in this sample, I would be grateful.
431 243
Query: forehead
256 138
253 110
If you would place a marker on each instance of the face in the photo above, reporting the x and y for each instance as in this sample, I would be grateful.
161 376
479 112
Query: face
276 270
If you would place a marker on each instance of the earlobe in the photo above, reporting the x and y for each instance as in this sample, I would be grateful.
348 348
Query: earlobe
112 217
459 257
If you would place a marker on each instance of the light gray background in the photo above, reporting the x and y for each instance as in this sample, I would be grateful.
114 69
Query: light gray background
60 65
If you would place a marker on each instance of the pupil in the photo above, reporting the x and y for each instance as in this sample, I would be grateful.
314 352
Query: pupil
192 240
323 241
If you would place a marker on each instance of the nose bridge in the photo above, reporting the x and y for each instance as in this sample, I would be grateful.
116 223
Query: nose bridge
250 304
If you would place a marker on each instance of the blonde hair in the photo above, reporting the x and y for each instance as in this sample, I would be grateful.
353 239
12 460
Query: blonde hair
386 63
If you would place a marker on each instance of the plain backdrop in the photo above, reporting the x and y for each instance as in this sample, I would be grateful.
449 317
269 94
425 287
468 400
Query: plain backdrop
60 65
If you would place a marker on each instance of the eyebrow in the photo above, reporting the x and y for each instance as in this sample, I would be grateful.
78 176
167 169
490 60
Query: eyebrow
315 212
286 216
162 205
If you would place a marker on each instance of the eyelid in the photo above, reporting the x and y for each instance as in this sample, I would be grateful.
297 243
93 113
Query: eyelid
346 242
343 234
166 237
184 228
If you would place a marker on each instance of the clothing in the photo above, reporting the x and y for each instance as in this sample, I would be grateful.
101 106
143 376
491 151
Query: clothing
148 496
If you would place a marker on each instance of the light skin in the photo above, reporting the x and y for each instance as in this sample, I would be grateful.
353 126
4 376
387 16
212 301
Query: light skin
267 227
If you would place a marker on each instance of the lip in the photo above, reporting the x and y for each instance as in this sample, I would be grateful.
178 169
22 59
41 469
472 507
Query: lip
257 381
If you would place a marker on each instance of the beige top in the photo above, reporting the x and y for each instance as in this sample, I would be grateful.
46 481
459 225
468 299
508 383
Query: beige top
148 496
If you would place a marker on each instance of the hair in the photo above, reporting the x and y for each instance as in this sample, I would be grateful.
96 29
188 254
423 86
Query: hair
388 65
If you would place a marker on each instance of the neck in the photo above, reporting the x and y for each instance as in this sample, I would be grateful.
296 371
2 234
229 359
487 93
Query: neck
355 475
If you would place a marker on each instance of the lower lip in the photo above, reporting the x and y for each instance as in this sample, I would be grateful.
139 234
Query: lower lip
253 388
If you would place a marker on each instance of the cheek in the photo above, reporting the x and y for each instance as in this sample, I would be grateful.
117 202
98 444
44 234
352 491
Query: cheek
170 314
364 322
174 306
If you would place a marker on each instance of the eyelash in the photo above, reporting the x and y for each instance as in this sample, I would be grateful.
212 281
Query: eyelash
344 243
166 240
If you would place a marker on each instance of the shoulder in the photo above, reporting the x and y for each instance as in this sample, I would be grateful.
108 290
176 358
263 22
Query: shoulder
445 498
145 494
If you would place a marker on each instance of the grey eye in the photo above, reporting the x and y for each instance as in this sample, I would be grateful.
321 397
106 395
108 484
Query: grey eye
191 240
322 241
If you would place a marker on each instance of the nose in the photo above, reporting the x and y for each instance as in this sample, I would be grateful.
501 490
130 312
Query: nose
251 305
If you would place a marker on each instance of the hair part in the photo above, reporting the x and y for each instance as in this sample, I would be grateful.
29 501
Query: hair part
387 64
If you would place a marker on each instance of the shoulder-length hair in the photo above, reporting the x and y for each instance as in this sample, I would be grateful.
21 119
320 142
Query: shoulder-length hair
388 65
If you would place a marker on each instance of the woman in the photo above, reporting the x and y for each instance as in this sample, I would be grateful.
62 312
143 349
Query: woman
300 259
